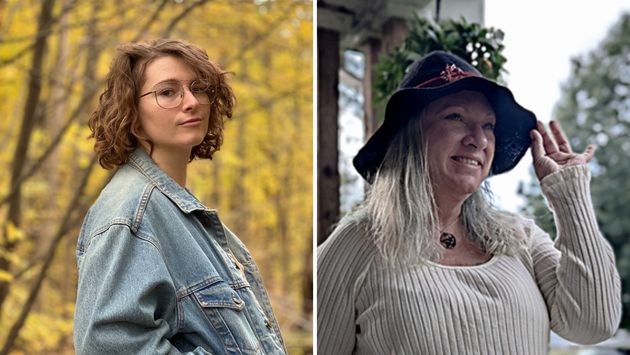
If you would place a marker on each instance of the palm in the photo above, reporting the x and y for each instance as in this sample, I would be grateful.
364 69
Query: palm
551 154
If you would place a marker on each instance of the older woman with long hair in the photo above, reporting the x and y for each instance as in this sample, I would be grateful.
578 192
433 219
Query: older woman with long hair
427 265
158 271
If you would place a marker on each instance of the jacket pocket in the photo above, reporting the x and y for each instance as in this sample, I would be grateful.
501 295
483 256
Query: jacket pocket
225 310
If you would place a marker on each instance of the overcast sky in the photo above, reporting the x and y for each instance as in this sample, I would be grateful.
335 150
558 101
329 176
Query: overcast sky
540 39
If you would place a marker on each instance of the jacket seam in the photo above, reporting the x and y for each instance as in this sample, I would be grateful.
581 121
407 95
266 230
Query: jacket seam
147 238
205 282
150 239
142 206
119 221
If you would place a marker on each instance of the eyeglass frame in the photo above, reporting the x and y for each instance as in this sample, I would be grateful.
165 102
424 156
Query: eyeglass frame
210 89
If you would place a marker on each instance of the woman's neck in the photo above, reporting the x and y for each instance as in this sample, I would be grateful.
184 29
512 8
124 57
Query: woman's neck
173 163
448 211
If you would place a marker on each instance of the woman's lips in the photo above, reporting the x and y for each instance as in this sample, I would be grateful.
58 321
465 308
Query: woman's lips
191 122
467 160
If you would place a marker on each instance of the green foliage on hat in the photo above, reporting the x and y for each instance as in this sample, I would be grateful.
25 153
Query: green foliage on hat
480 46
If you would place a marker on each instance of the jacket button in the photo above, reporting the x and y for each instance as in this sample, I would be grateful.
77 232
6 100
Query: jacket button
267 323
237 301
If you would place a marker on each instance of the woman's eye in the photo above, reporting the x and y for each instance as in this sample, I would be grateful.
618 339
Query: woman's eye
454 116
167 92
198 87
489 126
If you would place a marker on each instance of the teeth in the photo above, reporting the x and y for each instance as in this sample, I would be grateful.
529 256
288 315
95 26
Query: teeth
468 161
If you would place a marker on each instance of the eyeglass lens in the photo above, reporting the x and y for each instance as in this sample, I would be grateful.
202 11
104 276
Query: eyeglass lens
170 94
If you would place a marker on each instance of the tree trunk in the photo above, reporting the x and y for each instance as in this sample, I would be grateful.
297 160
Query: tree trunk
28 122
168 30
58 106
142 32
48 258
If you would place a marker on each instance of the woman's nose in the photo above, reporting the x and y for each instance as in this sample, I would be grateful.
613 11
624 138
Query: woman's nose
189 100
476 137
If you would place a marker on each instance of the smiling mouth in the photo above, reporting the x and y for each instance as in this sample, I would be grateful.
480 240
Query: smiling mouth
467 161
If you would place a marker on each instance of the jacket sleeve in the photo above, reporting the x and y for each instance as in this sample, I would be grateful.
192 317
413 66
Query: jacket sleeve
342 262
126 301
577 276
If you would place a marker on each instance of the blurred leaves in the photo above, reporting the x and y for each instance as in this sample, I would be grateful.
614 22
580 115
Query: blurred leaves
14 234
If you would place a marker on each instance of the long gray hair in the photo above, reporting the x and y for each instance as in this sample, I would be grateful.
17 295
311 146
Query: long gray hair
400 212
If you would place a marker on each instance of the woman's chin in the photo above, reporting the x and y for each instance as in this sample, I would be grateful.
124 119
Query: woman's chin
461 188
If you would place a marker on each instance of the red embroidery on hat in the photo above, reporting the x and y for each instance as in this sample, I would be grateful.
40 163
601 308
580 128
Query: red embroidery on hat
451 73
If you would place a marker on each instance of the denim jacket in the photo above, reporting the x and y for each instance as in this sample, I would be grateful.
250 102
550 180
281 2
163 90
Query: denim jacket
160 274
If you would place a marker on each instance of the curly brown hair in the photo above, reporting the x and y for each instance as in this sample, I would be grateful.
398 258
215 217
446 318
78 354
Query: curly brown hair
115 123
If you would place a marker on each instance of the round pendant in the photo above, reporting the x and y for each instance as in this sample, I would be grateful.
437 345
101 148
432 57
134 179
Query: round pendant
448 240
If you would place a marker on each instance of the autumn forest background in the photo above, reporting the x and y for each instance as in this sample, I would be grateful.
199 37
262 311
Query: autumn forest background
54 55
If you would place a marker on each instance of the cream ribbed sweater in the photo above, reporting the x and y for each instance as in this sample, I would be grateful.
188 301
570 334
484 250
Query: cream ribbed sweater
505 306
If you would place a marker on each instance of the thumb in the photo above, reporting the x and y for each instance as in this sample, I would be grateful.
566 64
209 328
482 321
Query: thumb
538 151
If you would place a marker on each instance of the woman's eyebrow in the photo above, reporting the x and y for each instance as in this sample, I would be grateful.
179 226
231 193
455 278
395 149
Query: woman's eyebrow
172 80
448 105
461 105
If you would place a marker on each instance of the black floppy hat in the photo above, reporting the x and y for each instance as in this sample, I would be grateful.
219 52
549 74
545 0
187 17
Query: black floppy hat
436 75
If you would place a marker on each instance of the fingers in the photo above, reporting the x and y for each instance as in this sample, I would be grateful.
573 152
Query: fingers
543 165
557 146
538 150
560 138
589 152
548 143
562 157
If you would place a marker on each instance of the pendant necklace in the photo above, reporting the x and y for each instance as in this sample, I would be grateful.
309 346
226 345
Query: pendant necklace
448 240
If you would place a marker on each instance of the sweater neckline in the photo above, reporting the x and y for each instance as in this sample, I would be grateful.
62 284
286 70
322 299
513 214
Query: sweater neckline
488 263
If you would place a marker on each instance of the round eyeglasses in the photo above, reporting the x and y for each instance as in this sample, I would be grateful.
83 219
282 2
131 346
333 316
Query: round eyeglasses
170 94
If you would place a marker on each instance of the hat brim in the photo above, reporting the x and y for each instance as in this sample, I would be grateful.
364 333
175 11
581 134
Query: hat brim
512 128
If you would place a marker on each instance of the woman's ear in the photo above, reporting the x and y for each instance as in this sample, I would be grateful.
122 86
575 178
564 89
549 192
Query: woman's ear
136 128
141 138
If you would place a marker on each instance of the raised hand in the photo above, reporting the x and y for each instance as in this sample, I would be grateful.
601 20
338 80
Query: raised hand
552 153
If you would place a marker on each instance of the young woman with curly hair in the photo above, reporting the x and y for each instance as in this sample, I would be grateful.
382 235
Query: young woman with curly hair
158 271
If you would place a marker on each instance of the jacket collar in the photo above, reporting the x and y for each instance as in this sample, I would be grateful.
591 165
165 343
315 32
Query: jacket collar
181 196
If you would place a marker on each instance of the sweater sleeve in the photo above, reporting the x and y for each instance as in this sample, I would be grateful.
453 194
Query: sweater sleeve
342 262
577 276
